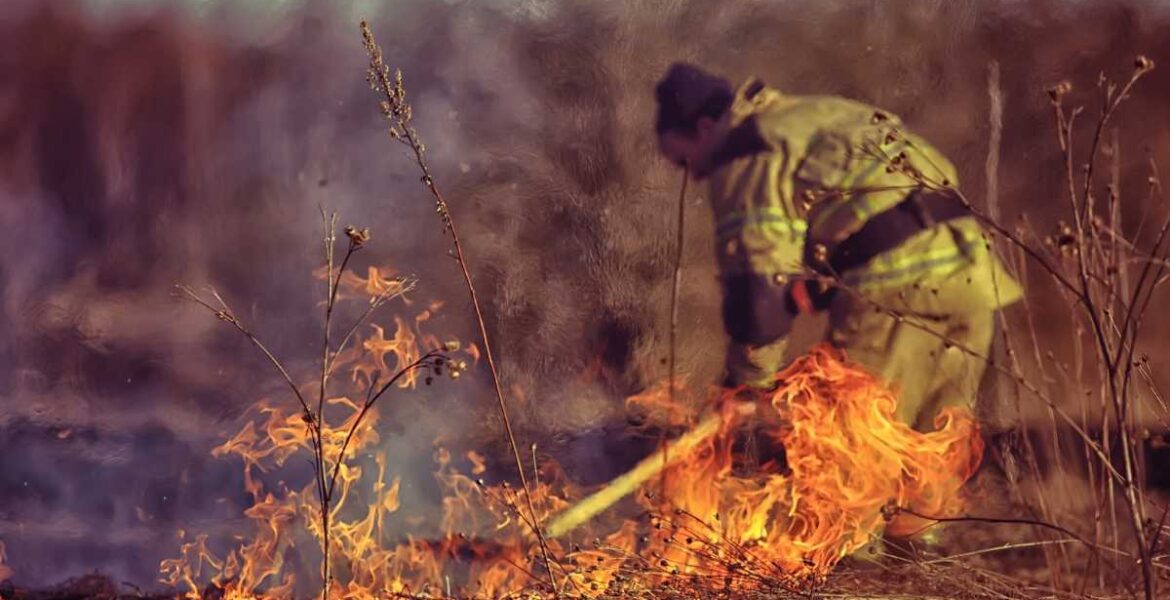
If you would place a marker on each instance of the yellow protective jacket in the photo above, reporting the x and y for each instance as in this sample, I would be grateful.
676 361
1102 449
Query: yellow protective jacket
813 170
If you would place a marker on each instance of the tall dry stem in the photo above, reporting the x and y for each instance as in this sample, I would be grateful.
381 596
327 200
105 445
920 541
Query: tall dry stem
398 112
1084 259
672 362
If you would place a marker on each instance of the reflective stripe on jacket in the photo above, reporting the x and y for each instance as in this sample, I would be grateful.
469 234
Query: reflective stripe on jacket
814 170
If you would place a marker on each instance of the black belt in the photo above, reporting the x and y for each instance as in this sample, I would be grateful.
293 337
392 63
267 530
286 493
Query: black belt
921 210
752 302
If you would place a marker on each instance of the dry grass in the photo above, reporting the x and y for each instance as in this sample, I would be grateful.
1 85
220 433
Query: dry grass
1107 312
566 211
326 465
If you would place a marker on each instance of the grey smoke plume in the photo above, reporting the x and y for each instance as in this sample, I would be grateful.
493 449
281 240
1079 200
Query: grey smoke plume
144 145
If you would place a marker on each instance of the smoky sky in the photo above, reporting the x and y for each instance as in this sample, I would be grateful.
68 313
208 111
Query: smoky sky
144 144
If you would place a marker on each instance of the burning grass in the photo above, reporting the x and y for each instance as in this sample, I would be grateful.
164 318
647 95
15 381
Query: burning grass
784 525
764 544
704 524
850 472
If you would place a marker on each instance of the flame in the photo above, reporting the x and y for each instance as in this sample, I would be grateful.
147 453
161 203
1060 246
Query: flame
848 460
5 572
714 521
278 433
378 281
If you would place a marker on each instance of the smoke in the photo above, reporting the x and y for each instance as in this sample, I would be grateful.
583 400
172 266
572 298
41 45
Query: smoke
145 145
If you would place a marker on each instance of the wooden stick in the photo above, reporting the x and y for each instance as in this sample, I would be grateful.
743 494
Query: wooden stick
626 484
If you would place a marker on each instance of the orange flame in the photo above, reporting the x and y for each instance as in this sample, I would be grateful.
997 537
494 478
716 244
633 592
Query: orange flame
280 433
848 460
713 522
378 281
5 572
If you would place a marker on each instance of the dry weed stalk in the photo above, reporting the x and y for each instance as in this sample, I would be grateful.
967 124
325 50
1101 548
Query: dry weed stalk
672 367
398 112
1089 261
1009 455
326 469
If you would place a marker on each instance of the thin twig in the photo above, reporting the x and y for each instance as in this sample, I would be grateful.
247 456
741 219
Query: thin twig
312 420
674 293
1001 548
991 170
1005 521
396 110
224 313
330 296
404 285
369 403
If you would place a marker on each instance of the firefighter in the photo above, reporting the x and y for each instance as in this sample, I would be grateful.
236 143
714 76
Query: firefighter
824 204
827 204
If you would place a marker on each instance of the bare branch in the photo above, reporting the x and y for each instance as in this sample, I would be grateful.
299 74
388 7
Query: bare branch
368 404
404 285
225 314
398 113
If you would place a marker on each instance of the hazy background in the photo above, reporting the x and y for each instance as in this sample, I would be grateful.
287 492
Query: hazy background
146 143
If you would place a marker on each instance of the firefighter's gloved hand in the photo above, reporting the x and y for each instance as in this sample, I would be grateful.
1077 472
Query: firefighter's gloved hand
758 309
807 295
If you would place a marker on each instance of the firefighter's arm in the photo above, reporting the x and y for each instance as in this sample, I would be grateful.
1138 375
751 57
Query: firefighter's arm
756 310
763 253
